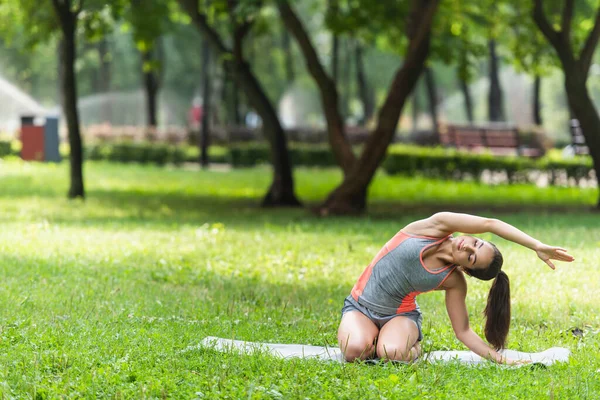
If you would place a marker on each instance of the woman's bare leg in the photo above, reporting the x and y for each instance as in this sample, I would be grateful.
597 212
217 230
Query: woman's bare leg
356 335
398 340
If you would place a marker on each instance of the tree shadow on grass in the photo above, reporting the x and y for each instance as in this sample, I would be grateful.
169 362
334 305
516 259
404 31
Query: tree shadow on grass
160 208
155 206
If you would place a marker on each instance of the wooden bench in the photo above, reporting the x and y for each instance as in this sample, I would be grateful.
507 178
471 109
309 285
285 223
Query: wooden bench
497 139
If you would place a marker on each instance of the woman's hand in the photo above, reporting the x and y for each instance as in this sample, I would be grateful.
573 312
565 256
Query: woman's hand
547 253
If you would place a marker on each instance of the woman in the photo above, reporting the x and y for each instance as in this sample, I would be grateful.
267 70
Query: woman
381 317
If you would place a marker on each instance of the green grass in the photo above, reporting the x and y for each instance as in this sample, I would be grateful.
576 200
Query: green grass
109 297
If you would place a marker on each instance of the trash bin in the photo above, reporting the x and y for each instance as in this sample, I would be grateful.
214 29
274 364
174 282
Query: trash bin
39 139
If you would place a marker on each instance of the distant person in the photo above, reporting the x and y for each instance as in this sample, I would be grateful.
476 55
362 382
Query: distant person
381 317
195 114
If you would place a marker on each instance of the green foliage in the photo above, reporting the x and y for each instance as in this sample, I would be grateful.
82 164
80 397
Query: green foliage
529 49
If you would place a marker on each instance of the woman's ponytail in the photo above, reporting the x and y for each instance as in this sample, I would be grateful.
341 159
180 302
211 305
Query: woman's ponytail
497 312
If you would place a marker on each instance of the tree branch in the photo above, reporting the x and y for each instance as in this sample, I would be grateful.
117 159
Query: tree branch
558 40
329 96
585 57
567 17
213 37
65 17
542 22
418 30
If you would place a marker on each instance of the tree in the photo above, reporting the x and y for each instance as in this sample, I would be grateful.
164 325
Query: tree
37 23
575 51
536 103
432 98
464 88
327 87
67 14
281 192
365 92
495 97
149 20
529 50
350 195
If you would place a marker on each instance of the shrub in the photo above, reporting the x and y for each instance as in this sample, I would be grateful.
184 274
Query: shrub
5 148
152 153
437 162
126 152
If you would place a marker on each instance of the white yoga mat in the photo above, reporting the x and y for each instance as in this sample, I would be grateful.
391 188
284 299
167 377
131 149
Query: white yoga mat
547 357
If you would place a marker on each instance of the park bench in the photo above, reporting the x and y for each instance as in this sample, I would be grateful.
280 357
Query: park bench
496 139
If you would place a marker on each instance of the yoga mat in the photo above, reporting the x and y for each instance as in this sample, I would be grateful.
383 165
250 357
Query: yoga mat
547 357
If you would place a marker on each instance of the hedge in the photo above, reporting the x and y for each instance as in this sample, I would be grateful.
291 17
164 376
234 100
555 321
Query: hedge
450 163
401 159
253 154
5 148
155 153
136 152
429 161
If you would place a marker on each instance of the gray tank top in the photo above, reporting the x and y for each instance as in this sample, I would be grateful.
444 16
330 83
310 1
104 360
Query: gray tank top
397 274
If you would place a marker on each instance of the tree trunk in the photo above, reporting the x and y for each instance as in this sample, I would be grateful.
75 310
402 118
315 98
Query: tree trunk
350 195
495 103
60 98
150 87
537 107
231 93
332 6
289 60
281 191
235 102
346 79
207 109
363 87
69 96
340 146
585 111
576 68
415 108
104 77
432 97
464 87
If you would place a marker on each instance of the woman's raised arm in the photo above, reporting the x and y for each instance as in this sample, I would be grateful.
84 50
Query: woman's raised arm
445 223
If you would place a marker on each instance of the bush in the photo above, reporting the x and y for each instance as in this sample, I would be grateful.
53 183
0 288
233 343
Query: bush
301 155
450 163
436 162
5 148
126 152
152 153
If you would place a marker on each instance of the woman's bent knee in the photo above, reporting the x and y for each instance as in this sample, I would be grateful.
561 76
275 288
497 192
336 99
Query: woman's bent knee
398 353
356 351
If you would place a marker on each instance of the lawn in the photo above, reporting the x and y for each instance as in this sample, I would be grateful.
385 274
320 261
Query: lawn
110 297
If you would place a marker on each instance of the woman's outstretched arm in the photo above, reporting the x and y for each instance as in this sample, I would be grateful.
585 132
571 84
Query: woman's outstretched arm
459 317
445 223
